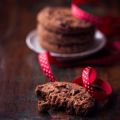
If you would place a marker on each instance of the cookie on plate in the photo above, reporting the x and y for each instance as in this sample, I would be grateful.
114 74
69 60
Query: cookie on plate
60 32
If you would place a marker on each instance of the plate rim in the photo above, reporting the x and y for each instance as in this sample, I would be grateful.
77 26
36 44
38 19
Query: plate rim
88 52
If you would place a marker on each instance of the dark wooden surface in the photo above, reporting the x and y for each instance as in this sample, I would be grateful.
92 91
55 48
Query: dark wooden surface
20 71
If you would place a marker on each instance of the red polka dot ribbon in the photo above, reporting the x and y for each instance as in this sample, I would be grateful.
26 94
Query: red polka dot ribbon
44 62
82 14
108 24
89 74
98 88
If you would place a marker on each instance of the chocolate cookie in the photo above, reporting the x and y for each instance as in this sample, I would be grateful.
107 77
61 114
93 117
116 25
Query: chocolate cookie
65 49
61 20
62 39
65 96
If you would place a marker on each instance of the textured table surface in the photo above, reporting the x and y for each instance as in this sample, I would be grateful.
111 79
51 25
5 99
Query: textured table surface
20 71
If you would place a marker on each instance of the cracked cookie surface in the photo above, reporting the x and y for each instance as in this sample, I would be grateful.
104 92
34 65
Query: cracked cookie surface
65 96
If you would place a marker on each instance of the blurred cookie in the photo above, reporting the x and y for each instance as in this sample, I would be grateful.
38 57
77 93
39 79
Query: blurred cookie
65 49
64 39
61 20
60 32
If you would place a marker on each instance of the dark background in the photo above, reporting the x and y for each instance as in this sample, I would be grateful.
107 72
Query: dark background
20 71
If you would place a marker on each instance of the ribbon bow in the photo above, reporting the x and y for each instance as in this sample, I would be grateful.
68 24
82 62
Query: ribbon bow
98 88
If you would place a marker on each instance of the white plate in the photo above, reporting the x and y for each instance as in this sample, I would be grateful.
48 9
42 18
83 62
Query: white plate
32 42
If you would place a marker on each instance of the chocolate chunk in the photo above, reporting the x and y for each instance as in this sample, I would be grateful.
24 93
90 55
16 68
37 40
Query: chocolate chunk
43 106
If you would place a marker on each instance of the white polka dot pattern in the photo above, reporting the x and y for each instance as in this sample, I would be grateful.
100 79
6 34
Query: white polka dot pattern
44 62
86 81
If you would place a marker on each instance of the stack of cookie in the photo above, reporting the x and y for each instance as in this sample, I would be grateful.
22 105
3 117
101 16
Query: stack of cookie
60 32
